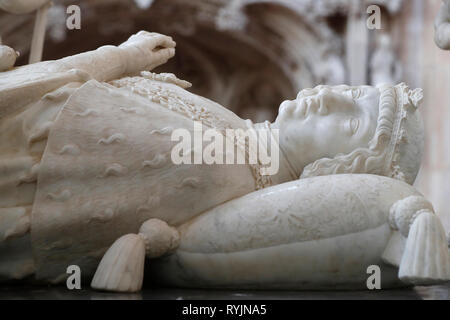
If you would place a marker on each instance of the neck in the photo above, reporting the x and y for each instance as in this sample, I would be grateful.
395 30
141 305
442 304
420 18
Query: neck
291 155
285 171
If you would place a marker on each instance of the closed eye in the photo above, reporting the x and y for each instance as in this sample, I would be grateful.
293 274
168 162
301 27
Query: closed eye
356 93
352 126
353 93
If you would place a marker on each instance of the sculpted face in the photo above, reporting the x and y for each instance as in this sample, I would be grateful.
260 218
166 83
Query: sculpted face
326 121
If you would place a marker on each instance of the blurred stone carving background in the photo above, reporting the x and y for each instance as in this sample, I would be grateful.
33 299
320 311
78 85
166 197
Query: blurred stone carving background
250 55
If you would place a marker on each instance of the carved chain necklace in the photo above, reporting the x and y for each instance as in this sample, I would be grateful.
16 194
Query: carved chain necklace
284 159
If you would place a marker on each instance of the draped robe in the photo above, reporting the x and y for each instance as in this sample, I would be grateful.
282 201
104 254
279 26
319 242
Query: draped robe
107 168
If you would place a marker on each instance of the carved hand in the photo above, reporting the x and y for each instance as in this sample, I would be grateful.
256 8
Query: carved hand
147 50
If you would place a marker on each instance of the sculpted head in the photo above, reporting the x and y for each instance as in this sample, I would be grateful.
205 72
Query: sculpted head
342 129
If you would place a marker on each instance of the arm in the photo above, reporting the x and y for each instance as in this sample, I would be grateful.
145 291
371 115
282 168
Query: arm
23 85
141 52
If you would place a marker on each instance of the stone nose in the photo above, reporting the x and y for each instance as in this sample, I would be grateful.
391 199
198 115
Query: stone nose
324 91
322 101
330 100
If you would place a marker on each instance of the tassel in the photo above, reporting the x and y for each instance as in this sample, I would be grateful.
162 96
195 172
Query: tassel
426 259
159 238
122 266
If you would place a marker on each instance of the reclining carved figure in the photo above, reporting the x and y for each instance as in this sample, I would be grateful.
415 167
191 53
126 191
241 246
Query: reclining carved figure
87 179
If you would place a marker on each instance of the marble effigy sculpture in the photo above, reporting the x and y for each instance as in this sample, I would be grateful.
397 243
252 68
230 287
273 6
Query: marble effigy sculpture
86 179
442 26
